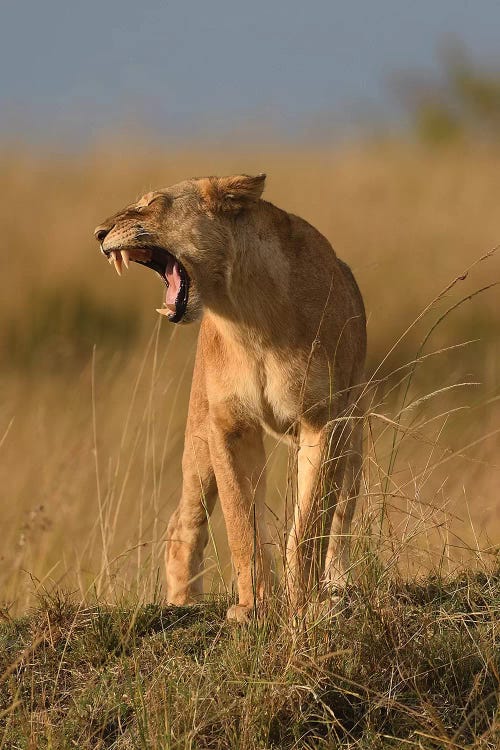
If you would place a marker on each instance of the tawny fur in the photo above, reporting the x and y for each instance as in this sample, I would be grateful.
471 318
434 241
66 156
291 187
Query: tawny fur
281 349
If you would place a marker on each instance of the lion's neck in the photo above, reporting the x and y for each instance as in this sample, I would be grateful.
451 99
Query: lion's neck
256 302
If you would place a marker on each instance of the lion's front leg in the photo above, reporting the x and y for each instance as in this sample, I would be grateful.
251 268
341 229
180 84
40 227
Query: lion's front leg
238 457
321 467
187 532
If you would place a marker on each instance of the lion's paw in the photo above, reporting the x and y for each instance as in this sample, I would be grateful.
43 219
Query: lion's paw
240 613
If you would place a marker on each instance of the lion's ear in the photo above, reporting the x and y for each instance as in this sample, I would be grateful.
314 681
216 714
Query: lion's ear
232 193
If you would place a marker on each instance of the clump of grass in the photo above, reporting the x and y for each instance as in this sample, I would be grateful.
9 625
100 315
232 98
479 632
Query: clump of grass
402 664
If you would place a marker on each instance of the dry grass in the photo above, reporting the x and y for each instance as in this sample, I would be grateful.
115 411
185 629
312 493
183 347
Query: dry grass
94 390
94 396
394 665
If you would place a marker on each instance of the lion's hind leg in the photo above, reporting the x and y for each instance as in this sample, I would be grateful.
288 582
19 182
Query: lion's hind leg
337 564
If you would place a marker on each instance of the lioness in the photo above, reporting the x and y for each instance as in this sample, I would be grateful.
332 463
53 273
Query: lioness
281 348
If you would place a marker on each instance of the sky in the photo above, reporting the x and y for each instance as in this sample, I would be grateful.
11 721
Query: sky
180 67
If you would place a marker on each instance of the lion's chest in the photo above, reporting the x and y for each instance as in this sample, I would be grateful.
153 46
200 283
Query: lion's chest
272 386
266 391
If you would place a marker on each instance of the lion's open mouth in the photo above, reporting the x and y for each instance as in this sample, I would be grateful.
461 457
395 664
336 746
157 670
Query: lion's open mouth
169 269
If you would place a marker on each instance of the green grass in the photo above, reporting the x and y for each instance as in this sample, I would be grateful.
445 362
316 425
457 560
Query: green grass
394 665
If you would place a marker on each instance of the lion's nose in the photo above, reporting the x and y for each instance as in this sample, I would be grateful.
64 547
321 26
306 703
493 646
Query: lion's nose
100 233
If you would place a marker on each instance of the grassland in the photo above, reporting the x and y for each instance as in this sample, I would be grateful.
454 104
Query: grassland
94 394
394 665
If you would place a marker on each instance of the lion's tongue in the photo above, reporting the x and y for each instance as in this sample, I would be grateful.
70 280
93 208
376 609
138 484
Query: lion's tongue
173 277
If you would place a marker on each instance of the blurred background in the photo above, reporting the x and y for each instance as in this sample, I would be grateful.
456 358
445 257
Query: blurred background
379 124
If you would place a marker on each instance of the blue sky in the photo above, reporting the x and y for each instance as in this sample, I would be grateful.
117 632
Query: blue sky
76 69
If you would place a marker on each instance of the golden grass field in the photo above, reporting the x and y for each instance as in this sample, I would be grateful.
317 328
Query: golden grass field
94 387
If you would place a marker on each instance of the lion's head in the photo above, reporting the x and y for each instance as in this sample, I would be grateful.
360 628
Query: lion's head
185 234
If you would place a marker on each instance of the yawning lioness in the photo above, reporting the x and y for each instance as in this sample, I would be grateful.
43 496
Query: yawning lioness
281 348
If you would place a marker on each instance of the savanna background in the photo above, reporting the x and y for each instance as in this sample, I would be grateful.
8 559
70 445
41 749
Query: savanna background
403 178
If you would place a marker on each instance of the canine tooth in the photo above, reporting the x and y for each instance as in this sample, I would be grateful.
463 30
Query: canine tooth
117 260
110 260
126 257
